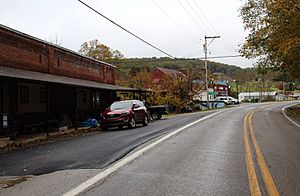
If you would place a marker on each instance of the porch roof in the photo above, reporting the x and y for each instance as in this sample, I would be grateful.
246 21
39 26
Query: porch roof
38 76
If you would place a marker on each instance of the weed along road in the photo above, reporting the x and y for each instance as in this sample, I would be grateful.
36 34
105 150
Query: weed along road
252 149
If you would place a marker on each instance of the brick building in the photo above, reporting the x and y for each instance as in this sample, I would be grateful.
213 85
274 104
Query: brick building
44 86
221 88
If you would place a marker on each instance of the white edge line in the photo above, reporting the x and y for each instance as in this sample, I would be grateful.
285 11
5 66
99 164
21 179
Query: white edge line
283 111
85 185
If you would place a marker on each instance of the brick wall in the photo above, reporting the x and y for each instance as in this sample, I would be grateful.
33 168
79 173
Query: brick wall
24 52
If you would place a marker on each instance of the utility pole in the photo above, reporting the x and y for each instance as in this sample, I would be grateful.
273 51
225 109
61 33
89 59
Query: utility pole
205 62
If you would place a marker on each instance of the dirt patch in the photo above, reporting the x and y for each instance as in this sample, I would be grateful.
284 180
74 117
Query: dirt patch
10 182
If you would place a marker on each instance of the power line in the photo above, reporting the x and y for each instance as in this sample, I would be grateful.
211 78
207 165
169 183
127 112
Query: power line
191 16
212 27
151 45
197 15
202 13
189 34
226 45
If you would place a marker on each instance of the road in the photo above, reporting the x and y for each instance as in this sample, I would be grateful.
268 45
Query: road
94 151
248 150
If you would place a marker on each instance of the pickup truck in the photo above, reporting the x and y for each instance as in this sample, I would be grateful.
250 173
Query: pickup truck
157 111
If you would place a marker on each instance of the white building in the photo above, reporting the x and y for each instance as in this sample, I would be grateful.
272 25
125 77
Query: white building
249 96
202 96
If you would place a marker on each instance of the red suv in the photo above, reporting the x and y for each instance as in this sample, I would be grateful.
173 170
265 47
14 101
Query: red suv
127 113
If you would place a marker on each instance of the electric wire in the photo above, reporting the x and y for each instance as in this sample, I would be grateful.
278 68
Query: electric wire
203 29
197 15
227 44
205 26
204 16
146 42
178 24
151 45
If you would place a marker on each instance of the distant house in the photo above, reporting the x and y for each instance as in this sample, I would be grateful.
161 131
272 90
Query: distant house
202 95
159 75
215 89
255 96
221 88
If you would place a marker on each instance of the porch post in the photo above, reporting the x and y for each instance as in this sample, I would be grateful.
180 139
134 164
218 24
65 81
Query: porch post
47 108
76 109
2 105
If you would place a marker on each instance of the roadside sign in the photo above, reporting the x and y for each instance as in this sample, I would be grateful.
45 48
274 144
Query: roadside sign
212 93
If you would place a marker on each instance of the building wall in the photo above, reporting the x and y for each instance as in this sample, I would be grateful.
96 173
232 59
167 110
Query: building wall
84 99
221 90
157 75
34 103
202 96
24 52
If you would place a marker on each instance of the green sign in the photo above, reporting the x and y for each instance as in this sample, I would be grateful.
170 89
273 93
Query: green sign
212 93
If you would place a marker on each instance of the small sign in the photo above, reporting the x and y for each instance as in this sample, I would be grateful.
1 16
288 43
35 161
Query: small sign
212 93
5 121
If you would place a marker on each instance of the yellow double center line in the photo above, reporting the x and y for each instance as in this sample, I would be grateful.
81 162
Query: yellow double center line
252 177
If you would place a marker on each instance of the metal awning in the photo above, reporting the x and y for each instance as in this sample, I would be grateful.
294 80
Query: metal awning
38 76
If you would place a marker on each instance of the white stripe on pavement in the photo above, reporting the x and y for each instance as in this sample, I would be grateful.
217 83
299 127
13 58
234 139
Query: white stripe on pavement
85 185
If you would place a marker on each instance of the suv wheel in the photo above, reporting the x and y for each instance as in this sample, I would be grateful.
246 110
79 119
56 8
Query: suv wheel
156 116
132 123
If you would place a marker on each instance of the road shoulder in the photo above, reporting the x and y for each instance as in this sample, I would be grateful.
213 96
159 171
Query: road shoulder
292 113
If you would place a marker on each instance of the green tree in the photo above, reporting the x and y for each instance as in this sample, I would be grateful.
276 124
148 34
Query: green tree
274 34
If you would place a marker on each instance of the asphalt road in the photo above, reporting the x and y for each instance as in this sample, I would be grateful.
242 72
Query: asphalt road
251 149
209 159
94 151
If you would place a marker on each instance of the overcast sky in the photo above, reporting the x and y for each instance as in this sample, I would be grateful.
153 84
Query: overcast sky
177 27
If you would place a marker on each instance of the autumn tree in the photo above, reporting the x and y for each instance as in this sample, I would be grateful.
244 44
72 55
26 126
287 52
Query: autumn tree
94 49
274 34
139 77
98 51
178 91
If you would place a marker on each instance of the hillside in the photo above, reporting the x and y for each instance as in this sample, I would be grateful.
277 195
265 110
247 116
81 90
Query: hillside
228 71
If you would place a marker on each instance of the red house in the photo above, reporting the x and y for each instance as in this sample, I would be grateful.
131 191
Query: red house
159 75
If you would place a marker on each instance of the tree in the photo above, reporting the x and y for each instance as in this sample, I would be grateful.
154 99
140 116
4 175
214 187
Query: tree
179 90
274 34
98 51
136 78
